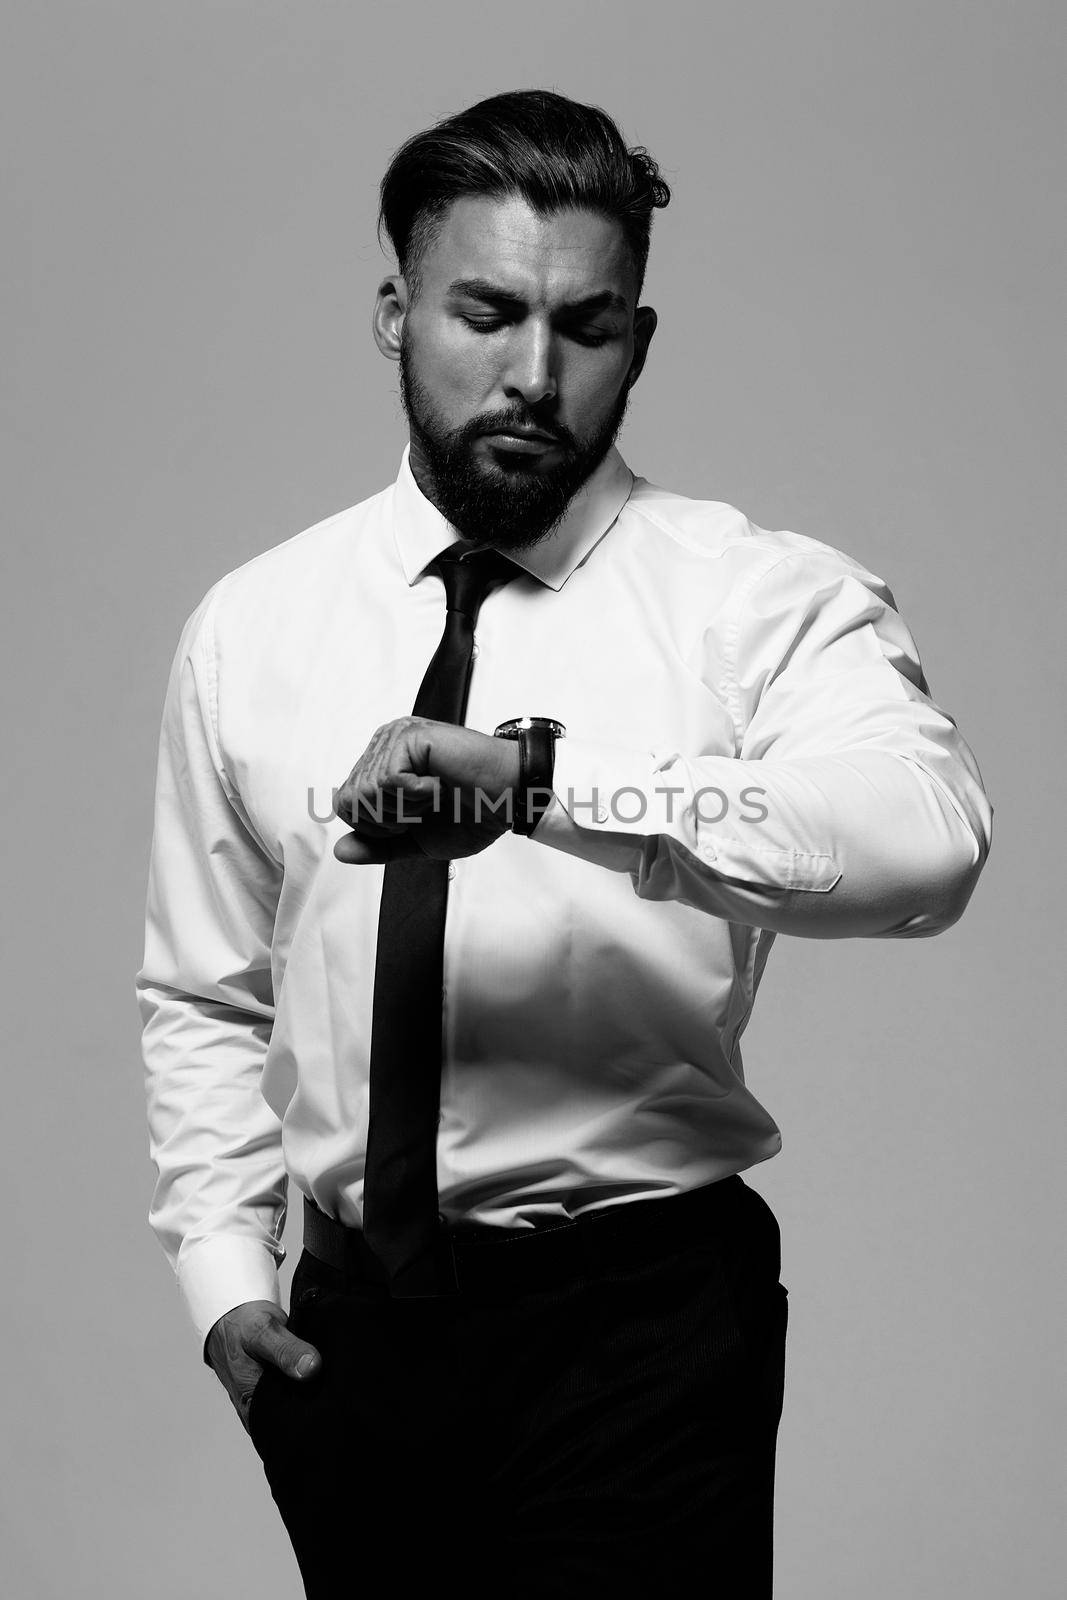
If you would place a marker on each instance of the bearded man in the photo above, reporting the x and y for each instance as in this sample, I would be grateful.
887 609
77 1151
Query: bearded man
483 1010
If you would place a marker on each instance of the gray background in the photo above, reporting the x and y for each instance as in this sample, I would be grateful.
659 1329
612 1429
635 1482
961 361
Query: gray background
859 289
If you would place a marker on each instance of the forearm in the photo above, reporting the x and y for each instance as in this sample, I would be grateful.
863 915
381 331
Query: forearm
855 843
218 1205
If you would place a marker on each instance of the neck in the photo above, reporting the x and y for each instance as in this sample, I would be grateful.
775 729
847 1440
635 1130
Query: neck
420 471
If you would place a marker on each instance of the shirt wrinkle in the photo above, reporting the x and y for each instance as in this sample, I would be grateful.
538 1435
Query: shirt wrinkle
599 976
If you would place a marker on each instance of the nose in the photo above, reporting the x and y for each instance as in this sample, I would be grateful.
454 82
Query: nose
531 370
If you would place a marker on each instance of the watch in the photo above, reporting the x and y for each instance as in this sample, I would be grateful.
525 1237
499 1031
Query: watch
536 738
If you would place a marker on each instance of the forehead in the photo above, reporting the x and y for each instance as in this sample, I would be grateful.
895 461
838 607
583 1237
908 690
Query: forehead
567 255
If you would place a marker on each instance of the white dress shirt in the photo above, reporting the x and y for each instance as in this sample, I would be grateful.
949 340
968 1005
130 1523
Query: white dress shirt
750 749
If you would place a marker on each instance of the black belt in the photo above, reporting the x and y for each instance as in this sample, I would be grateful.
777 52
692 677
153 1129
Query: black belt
613 1238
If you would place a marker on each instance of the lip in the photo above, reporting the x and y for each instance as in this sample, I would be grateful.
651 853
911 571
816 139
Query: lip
528 443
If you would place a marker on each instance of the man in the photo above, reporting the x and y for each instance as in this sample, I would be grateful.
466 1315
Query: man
620 739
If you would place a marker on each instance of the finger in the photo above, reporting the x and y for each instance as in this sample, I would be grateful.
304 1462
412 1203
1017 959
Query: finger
395 755
241 1394
372 812
362 811
377 760
360 850
410 790
400 798
242 1403
295 1357
346 792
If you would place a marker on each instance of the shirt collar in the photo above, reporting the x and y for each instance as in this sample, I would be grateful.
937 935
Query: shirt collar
421 532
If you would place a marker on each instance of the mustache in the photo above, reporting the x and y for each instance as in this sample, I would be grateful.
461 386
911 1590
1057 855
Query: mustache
502 421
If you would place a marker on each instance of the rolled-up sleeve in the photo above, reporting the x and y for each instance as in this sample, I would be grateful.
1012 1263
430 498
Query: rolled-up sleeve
851 805
206 1001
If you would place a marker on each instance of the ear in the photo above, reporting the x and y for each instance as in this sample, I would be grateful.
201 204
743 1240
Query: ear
390 309
645 320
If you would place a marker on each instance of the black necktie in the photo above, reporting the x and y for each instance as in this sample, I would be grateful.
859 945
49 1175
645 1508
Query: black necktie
400 1201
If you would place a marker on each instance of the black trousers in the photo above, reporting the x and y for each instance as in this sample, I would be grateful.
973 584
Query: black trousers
610 1433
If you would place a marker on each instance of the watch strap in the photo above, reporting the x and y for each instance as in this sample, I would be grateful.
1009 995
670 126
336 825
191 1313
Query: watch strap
537 762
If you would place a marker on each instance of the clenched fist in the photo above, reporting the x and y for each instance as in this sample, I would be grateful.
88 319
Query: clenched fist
427 787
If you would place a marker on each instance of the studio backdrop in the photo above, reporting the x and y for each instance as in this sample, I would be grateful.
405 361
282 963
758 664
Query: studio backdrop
859 283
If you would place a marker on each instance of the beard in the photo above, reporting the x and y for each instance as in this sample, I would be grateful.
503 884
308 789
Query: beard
509 506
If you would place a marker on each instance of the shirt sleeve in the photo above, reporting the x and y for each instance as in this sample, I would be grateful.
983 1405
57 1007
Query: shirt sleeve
206 1001
851 805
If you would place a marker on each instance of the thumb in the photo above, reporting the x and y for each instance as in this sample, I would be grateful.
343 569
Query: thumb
295 1357
362 852
420 791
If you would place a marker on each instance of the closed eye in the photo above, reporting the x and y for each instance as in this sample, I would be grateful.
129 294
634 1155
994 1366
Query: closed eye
591 337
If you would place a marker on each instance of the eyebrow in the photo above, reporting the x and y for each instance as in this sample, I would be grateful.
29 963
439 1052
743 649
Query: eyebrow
495 294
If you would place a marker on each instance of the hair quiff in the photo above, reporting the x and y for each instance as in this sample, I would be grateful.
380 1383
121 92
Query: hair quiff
550 151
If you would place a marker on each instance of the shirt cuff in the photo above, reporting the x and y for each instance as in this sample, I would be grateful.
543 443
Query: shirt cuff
579 822
222 1271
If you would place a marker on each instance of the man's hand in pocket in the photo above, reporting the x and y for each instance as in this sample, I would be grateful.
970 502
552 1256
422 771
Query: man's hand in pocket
247 1339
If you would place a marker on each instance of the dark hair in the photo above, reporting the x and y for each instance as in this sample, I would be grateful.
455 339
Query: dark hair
552 152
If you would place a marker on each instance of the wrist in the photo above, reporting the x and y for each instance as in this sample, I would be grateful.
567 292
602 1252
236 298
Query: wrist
534 740
509 764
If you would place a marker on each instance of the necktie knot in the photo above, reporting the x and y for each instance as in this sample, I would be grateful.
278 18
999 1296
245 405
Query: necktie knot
468 577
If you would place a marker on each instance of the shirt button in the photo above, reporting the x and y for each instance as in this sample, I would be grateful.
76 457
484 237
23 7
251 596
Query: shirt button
474 649
602 813
451 870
